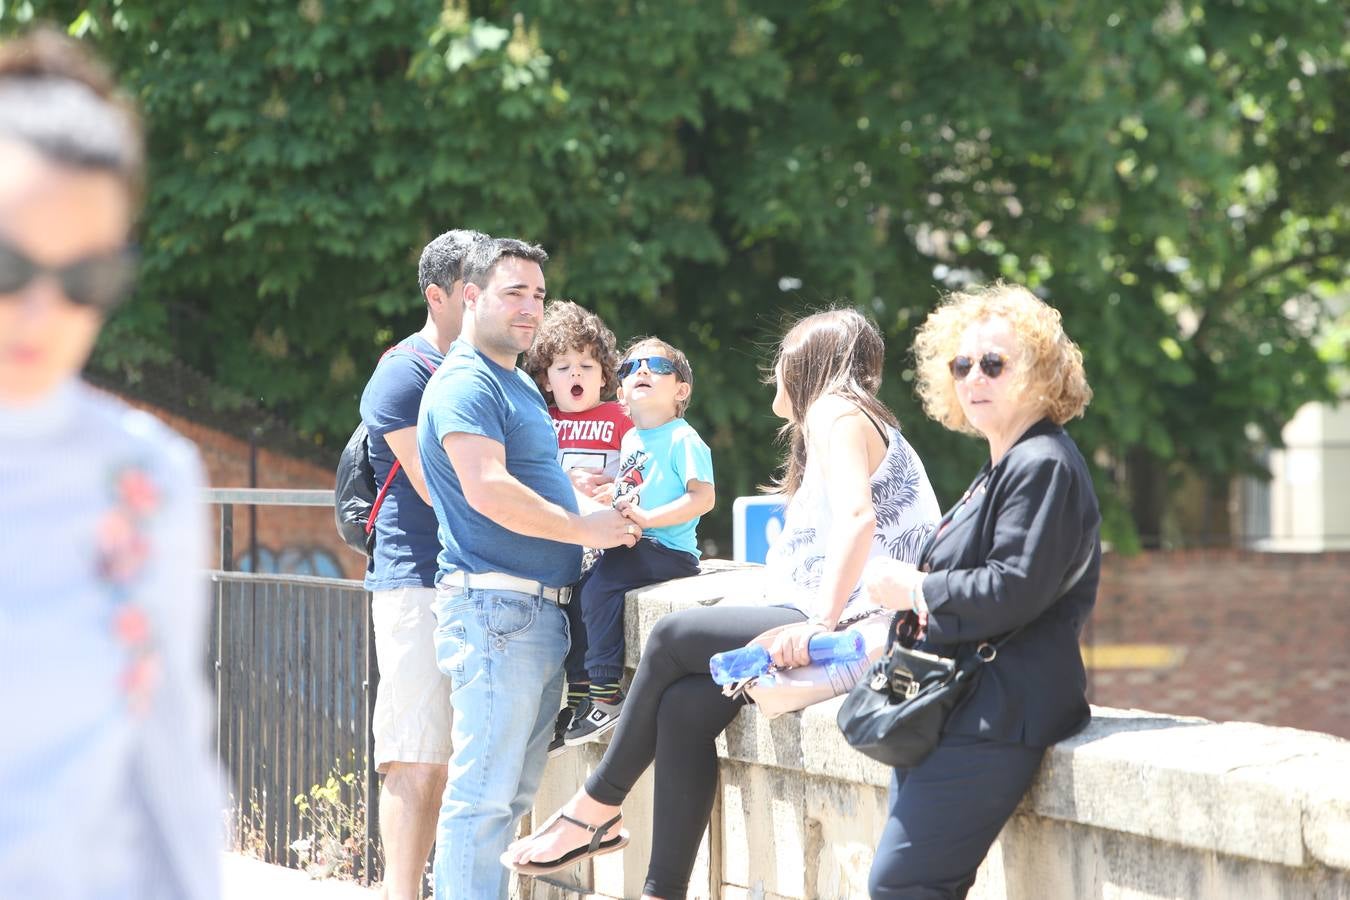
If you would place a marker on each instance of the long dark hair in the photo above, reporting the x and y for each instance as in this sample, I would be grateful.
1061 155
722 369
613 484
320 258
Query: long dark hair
837 352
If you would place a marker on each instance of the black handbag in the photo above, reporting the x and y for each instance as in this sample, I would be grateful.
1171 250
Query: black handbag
896 711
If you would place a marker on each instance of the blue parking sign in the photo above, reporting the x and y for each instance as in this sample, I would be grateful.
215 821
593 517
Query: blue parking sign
755 523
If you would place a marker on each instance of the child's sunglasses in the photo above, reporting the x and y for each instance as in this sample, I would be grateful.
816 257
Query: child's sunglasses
657 365
100 282
991 364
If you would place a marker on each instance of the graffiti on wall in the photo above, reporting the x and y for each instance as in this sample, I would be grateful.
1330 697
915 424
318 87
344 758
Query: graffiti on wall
293 560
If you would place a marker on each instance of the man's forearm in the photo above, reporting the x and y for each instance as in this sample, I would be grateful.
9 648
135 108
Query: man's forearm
403 443
516 508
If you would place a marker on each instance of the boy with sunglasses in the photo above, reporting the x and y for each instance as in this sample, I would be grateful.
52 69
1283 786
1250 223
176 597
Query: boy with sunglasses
664 485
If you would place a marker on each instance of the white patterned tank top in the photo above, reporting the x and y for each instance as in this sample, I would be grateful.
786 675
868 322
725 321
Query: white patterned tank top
906 513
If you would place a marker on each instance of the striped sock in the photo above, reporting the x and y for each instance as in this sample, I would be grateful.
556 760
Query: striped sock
604 691
576 692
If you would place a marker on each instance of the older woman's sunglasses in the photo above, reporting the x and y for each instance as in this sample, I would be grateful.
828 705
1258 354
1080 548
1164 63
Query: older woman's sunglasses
991 364
657 365
100 282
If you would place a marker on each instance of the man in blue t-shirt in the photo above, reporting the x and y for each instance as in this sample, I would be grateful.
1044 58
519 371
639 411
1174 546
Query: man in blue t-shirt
511 538
412 704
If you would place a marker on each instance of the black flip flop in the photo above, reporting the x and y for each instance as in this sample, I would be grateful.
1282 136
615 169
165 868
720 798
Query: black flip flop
597 847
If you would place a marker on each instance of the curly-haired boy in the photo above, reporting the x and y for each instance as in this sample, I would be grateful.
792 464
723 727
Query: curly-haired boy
574 361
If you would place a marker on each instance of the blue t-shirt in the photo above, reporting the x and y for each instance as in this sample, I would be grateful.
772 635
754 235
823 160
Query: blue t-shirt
471 394
658 463
405 528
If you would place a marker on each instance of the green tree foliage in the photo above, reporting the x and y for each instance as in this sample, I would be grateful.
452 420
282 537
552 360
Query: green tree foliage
1171 175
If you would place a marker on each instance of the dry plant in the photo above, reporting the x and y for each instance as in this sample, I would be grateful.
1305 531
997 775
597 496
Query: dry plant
333 825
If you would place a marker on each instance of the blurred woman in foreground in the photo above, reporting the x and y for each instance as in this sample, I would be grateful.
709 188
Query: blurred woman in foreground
106 785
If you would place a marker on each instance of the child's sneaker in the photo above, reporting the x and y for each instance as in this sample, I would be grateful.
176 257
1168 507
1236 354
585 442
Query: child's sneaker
593 720
557 747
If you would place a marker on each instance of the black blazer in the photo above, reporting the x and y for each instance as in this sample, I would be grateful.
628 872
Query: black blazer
999 562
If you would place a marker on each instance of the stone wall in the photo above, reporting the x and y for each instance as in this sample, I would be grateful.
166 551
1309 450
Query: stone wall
1139 805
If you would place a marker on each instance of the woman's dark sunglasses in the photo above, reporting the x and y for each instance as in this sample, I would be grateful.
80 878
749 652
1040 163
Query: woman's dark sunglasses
657 365
100 282
991 364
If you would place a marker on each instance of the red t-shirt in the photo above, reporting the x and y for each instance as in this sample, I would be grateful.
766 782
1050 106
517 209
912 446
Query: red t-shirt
591 439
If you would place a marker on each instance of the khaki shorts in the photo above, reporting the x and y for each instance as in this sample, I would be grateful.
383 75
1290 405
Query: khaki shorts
412 702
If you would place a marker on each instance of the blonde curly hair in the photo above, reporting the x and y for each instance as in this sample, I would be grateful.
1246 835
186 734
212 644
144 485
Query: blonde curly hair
1051 365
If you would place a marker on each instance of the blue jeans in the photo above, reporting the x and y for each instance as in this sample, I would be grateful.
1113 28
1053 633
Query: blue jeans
503 652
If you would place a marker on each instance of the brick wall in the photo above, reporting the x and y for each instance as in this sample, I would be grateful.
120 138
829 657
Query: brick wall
1258 637
282 530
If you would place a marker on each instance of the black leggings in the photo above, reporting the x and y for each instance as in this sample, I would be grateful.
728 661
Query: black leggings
673 715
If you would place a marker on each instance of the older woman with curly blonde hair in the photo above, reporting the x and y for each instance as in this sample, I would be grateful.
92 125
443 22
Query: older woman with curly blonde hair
1015 561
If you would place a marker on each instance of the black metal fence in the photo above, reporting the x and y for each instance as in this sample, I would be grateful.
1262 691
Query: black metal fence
295 675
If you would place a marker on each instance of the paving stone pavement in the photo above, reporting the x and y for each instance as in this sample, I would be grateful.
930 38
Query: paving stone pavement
249 879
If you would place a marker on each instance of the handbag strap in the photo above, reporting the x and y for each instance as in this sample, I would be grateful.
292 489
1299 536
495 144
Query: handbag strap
986 651
1071 579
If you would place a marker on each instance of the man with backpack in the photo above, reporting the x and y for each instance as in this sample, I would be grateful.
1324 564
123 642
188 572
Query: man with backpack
412 705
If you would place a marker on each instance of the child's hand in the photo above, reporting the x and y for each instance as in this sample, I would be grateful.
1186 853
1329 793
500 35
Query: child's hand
588 481
604 494
627 504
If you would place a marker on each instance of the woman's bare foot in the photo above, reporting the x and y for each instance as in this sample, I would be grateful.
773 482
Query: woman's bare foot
560 836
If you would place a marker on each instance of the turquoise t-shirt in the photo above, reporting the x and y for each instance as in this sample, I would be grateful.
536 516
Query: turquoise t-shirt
658 463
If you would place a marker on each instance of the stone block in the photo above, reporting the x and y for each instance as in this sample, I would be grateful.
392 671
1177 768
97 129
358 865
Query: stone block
796 836
1184 781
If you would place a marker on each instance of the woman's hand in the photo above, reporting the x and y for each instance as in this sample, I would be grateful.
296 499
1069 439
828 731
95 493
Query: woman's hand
889 582
788 644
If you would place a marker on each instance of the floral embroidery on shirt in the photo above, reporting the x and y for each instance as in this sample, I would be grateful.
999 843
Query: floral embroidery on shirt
123 549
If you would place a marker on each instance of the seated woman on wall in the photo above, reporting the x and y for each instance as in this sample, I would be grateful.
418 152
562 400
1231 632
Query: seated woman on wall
107 788
856 490
1019 551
